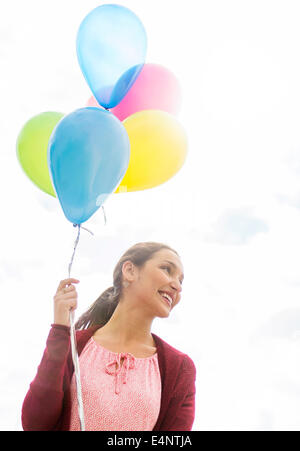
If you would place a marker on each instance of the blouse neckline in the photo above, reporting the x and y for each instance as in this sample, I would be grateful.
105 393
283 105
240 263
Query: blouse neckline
117 353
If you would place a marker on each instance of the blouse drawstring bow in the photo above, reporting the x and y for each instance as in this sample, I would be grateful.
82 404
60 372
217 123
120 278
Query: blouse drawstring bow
128 364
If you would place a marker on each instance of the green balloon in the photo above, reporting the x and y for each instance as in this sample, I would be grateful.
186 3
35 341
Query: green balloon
32 144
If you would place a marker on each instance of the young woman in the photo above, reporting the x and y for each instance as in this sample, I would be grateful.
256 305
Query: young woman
131 379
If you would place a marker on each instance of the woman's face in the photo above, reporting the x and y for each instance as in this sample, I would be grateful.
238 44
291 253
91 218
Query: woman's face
158 284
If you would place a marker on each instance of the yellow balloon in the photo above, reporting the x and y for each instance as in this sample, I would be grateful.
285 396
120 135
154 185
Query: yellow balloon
158 148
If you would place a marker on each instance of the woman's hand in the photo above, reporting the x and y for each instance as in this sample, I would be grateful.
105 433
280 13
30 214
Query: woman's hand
65 300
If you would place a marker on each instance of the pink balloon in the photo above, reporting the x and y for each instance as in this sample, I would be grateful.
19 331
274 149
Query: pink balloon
93 102
156 88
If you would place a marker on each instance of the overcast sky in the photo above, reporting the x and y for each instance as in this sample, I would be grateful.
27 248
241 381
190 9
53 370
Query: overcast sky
232 212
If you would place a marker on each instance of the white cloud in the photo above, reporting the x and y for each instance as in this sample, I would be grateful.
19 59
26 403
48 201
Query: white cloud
236 227
284 324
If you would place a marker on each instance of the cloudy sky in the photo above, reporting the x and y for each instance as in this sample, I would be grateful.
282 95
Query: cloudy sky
232 212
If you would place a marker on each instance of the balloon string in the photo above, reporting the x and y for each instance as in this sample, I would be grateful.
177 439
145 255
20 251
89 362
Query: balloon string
85 229
73 335
74 347
76 371
78 236
104 215
75 246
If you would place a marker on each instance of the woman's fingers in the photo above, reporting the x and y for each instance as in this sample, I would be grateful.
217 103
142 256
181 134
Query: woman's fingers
69 294
65 299
65 283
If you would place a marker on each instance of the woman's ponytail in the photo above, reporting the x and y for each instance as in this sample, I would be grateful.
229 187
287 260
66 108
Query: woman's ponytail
100 311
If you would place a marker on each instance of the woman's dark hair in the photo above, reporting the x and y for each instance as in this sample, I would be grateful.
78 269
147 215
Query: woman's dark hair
102 309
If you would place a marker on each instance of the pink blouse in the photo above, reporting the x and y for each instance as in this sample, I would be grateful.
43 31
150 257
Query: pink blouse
115 397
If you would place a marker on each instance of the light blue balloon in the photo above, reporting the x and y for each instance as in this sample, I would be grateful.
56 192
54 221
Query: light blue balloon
111 50
88 155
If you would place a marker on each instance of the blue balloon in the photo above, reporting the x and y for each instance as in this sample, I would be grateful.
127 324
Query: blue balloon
111 50
88 154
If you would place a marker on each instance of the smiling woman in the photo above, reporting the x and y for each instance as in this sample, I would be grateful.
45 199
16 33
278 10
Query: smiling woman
124 367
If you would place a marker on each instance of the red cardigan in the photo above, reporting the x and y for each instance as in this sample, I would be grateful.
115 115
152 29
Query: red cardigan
46 406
